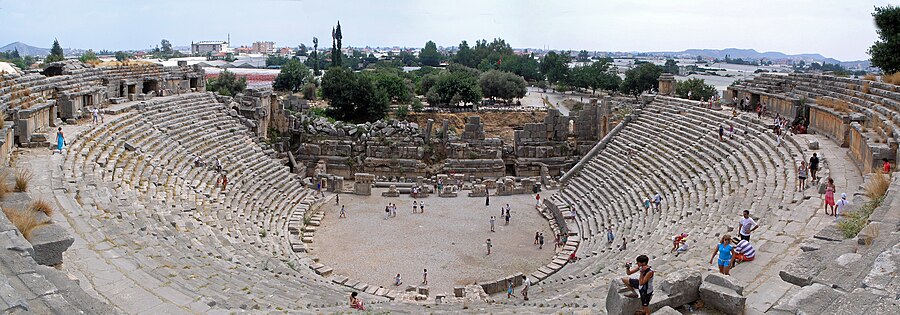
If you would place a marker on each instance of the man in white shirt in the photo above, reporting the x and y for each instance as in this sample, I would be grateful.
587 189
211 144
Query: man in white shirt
747 226
526 283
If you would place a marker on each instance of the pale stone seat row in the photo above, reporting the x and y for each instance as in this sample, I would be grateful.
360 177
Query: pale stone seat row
705 185
232 248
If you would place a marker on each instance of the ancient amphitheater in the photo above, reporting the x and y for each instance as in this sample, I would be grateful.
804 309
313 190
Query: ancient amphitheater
139 227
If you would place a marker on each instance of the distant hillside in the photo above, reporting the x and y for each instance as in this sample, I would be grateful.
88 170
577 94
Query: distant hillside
25 49
735 53
28 50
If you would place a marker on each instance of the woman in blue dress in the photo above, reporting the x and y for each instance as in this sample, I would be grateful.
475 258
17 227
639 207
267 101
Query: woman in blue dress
60 140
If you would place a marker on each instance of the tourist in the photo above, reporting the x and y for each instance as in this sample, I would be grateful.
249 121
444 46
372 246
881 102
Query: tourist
337 198
356 303
60 140
507 217
657 199
725 252
95 116
721 133
198 162
886 166
644 282
393 210
624 245
573 257
397 280
538 200
488 243
422 206
731 130
743 251
218 165
425 276
801 175
556 241
677 240
387 212
840 204
492 223
747 226
224 181
526 283
487 198
541 241
681 249
415 206
609 235
536 236
829 197
813 166
343 213
509 289
646 204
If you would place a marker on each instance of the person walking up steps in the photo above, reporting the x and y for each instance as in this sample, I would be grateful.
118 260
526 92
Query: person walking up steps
609 235
801 176
60 140
813 166
526 283
644 282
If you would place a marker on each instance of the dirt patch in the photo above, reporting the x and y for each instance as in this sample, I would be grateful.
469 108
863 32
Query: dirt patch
496 124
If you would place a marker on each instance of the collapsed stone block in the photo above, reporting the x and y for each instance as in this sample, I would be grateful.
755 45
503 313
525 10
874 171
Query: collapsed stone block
725 300
49 242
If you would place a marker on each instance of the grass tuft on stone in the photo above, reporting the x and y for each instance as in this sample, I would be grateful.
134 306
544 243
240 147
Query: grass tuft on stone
41 205
25 221
23 177
4 185
877 186
854 221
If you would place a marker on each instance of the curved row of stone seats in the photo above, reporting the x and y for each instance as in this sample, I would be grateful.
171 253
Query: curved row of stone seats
27 287
705 185
875 99
230 247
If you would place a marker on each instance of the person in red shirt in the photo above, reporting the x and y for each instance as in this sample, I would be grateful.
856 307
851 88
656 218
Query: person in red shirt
887 166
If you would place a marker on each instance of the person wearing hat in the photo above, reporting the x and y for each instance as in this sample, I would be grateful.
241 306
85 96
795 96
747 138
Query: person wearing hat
840 204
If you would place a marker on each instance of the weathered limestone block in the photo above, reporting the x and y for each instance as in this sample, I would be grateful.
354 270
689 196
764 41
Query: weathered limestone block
617 302
725 281
667 310
683 286
721 298
49 242
391 192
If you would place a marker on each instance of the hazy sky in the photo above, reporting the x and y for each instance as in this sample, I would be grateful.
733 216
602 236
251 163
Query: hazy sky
841 29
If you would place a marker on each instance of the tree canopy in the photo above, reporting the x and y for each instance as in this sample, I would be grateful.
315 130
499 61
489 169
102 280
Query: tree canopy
16 59
122 56
292 77
429 56
886 51
597 75
458 84
503 85
56 53
643 77
227 84
694 89
670 67
336 53
88 56
352 96
555 67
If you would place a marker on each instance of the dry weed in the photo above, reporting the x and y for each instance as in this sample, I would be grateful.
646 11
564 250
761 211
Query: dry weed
23 176
24 221
877 186
41 205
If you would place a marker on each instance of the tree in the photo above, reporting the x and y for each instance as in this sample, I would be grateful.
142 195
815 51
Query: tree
643 77
503 85
555 67
302 50
465 56
886 51
56 53
165 48
315 57
694 89
598 75
396 88
429 56
309 91
292 77
458 84
525 66
122 56
670 67
88 56
336 53
583 56
275 60
353 97
227 84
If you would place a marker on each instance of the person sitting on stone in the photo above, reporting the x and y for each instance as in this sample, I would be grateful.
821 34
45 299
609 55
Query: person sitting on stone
743 251
355 302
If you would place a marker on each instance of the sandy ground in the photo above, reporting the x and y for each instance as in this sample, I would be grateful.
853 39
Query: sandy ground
448 240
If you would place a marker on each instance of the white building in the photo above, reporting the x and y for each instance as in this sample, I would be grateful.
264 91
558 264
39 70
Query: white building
204 47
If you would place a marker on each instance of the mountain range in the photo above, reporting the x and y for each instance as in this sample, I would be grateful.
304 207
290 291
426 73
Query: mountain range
28 50
735 53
